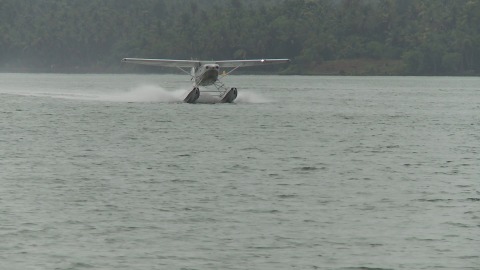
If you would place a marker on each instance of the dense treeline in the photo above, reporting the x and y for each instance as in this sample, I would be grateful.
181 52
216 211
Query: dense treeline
420 37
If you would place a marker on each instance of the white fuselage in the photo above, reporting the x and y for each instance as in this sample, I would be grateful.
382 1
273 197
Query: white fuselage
205 74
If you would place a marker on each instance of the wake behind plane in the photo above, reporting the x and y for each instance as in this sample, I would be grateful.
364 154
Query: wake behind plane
207 73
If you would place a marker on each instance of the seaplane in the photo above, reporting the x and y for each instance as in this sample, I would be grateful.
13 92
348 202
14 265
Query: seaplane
207 73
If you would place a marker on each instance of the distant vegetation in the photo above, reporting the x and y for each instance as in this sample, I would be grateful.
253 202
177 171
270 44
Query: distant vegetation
359 37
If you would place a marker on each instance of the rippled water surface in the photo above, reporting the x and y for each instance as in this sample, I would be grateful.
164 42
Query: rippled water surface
112 172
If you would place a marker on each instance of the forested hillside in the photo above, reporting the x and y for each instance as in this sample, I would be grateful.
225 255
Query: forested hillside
405 37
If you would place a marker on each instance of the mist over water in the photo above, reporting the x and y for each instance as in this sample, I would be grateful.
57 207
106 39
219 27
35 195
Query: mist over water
114 172
146 93
140 93
251 97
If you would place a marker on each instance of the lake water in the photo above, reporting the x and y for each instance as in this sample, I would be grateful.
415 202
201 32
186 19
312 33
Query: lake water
113 172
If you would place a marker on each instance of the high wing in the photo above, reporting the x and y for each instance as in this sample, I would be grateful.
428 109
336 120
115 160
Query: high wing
248 63
163 62
194 63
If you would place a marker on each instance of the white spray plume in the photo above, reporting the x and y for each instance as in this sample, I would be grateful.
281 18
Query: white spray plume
250 97
142 93
145 93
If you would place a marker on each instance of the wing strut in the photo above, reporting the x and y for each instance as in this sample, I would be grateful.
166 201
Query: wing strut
228 73
184 71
